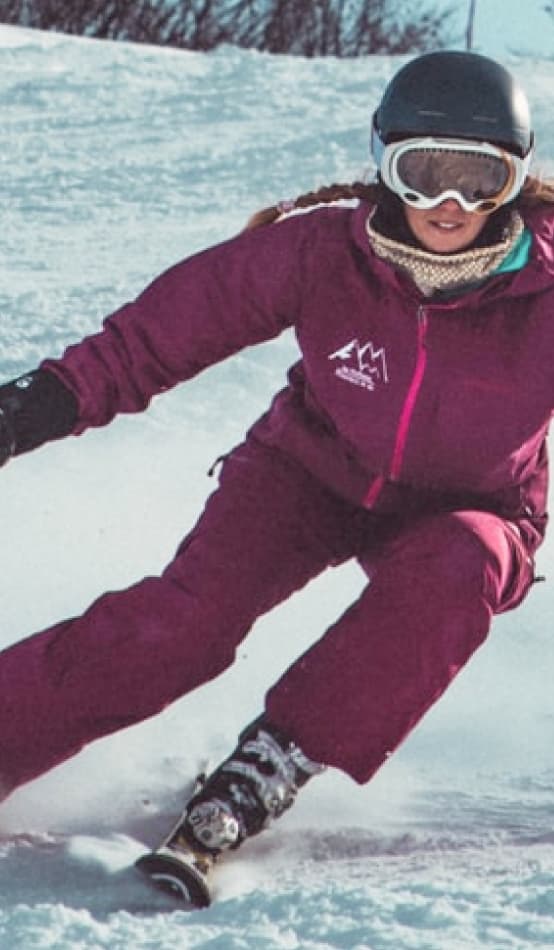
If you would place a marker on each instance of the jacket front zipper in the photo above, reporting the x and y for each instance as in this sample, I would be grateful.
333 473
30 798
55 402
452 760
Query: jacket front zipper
406 414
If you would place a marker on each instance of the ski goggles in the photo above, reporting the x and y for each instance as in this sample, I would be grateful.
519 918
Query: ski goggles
424 172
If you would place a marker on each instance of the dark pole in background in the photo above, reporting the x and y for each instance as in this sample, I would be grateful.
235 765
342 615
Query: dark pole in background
470 21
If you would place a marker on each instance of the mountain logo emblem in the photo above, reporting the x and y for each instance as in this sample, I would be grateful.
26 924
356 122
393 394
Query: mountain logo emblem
362 365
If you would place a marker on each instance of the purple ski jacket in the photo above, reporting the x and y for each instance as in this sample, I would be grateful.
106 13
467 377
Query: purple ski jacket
396 396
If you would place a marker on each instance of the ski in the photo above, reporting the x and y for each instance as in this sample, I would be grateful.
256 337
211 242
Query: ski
174 867
180 872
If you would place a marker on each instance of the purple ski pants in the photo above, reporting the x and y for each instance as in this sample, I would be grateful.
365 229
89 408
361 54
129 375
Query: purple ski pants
435 582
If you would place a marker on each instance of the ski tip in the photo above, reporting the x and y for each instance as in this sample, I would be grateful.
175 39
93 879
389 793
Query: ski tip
177 876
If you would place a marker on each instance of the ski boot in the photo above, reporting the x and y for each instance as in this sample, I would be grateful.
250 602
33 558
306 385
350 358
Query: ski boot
255 785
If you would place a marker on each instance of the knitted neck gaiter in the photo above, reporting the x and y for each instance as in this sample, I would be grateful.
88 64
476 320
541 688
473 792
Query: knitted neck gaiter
443 272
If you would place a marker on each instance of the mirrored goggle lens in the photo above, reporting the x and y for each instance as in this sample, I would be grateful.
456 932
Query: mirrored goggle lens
477 176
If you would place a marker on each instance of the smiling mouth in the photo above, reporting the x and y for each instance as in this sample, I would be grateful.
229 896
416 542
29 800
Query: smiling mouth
446 225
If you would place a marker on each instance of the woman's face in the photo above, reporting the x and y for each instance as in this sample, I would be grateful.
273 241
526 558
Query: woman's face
446 228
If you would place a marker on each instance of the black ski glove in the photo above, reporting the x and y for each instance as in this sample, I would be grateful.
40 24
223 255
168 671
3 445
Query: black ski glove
34 409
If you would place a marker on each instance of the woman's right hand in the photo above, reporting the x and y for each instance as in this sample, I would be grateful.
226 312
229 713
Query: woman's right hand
34 409
7 435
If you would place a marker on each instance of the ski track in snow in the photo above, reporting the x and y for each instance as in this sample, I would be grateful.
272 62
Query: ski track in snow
357 890
116 162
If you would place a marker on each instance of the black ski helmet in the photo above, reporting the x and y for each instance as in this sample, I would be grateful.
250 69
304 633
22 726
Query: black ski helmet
455 94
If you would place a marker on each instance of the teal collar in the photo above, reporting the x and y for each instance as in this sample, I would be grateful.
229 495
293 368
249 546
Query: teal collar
518 257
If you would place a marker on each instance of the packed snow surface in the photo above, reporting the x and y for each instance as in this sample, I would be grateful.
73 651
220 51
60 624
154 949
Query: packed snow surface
116 162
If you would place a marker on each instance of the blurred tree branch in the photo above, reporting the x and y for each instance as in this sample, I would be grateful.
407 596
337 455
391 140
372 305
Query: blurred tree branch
302 27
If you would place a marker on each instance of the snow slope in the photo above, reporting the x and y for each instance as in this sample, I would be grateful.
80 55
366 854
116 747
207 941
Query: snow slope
117 161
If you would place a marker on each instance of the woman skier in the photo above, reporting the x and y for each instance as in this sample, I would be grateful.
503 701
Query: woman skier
411 436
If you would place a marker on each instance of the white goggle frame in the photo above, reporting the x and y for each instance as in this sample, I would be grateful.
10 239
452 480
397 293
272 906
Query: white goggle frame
387 158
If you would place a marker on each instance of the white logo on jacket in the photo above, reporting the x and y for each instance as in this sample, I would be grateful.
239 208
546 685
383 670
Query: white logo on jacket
361 365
